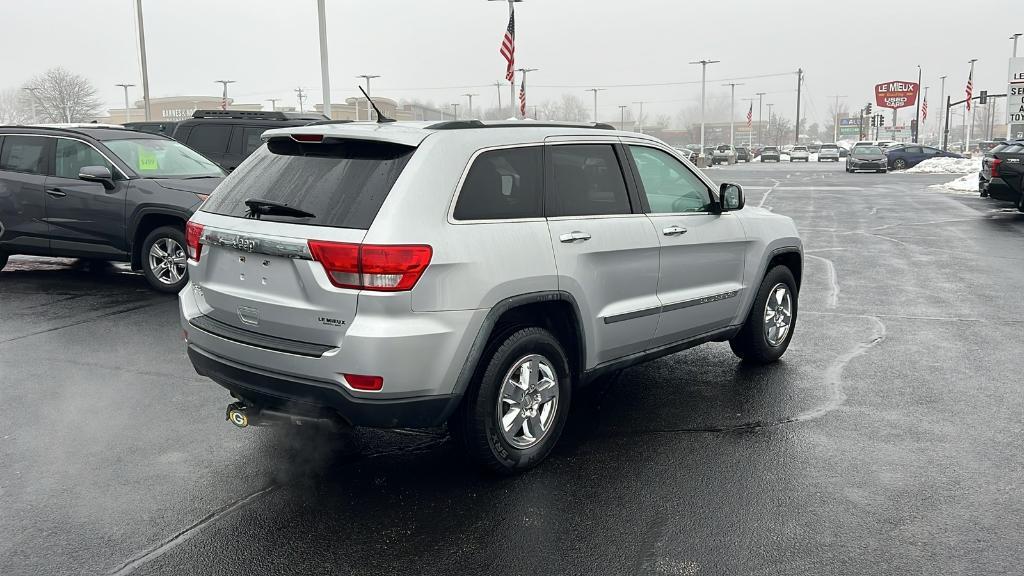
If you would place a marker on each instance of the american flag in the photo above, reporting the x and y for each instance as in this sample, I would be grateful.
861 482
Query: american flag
970 88
522 97
750 115
924 110
508 47
223 103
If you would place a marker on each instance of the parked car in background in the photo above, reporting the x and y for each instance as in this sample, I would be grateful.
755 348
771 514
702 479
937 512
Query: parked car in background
771 154
986 146
103 194
1002 174
302 311
162 128
229 136
799 154
743 154
829 152
903 156
724 154
686 153
866 158
814 148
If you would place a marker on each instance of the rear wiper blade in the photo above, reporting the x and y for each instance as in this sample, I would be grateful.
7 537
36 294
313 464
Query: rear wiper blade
258 207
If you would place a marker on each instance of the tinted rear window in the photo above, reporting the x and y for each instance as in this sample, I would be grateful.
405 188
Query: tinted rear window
342 182
503 184
587 181
1013 148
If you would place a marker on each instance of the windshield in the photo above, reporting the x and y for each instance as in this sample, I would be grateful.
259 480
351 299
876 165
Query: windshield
800 149
867 151
159 158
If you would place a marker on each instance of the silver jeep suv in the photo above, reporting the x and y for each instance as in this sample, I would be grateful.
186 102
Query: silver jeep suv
412 274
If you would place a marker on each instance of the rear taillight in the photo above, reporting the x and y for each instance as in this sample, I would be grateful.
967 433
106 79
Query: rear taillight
193 233
382 268
995 167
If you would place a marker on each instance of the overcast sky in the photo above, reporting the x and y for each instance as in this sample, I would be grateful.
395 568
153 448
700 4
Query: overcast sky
269 47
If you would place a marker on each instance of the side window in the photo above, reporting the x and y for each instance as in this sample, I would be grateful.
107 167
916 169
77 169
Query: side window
24 154
913 150
73 155
587 180
503 184
670 187
930 151
251 139
209 138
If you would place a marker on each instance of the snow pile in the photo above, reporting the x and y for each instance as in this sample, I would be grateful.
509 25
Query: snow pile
946 166
965 183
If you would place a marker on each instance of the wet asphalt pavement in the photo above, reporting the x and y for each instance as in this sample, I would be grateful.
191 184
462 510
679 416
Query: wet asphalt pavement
887 440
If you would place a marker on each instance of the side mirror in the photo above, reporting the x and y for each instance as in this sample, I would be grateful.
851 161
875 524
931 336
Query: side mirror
99 174
731 197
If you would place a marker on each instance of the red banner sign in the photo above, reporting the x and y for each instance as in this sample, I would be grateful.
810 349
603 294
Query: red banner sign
896 94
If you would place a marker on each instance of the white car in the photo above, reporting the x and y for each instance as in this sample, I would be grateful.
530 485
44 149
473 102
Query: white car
799 153
828 152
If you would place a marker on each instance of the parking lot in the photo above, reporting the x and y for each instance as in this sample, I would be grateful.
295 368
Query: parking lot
889 435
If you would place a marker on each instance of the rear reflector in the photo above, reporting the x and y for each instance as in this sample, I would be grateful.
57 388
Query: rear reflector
368 383
308 137
995 167
382 268
193 232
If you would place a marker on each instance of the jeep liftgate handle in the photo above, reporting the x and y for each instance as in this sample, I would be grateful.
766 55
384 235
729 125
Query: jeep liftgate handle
574 236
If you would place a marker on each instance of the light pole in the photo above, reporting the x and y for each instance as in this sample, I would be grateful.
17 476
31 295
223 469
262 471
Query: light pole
498 86
273 103
224 97
470 96
622 116
942 102
369 113
302 98
732 112
127 111
32 99
835 127
703 87
325 75
760 109
595 91
799 86
917 109
640 118
142 59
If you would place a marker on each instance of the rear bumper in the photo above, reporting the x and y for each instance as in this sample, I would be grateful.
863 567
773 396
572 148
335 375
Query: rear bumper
292 395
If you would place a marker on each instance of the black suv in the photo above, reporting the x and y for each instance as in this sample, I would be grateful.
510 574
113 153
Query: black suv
228 136
101 193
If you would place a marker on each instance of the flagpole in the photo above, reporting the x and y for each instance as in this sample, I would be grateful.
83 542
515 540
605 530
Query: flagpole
967 135
512 82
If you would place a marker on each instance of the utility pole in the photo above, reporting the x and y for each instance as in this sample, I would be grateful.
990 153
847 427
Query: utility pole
595 91
325 74
760 108
942 98
127 111
835 127
524 71
470 96
732 112
1009 125
967 134
302 98
369 107
224 96
32 99
142 59
455 110
498 86
273 103
640 118
917 110
703 94
622 116
799 86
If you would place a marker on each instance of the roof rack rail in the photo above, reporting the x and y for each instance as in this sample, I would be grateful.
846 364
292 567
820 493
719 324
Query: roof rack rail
466 124
258 114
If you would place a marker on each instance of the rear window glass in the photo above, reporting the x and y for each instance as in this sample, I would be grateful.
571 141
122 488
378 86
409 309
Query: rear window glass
587 181
343 183
1013 148
829 147
771 149
503 184
999 148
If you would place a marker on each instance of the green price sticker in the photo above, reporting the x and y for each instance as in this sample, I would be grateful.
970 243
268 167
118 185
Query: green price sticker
147 160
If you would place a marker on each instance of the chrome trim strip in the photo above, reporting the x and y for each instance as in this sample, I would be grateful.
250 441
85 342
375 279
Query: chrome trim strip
256 243
672 307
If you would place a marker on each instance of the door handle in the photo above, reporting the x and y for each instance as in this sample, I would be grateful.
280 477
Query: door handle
56 192
674 231
574 236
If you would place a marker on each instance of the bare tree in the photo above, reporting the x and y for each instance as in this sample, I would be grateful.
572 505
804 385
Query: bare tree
569 108
63 96
15 107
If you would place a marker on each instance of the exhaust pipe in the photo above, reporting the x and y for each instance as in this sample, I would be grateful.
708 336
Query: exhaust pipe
238 414
243 416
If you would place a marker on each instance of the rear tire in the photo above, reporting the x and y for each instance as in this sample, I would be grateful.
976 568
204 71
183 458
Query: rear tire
163 259
478 424
755 342
899 164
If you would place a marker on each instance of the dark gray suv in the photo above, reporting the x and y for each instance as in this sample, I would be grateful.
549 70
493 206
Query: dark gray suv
100 192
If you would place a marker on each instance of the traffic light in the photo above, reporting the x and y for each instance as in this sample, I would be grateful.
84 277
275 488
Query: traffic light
874 121
868 109
881 120
983 99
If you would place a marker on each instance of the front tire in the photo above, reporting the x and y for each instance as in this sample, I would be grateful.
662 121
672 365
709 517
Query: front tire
164 259
769 327
515 411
